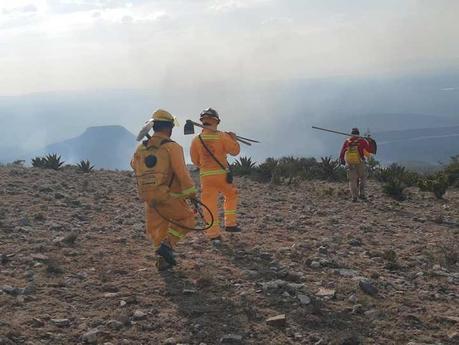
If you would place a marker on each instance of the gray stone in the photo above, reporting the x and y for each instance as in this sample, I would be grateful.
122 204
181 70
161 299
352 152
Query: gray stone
10 290
304 300
371 314
231 339
37 323
92 336
139 315
4 259
324 262
344 272
353 298
286 294
367 286
189 291
25 221
61 322
326 293
114 324
355 242
315 264
273 285
170 341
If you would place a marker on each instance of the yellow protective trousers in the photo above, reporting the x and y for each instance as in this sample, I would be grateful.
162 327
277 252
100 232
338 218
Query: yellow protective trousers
159 229
212 186
357 180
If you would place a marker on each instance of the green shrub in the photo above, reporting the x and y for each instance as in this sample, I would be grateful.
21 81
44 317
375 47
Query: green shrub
452 172
394 187
395 171
437 184
85 166
243 167
331 170
18 163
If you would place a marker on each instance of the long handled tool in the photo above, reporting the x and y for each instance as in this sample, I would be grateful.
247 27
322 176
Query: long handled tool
189 129
371 141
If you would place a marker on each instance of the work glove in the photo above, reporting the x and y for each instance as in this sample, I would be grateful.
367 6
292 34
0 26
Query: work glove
232 135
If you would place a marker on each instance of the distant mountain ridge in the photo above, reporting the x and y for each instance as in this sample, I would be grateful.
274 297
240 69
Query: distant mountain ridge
396 122
431 145
108 147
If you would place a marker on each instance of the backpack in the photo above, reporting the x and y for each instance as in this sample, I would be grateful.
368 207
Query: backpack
152 170
352 156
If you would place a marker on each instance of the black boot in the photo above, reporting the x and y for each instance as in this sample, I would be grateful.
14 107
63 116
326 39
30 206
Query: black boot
233 229
161 263
216 242
167 253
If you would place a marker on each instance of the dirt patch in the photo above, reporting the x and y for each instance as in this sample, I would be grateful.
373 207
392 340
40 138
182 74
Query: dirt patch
75 267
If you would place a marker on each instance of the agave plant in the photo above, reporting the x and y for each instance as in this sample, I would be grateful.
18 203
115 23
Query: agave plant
53 161
243 166
38 162
85 166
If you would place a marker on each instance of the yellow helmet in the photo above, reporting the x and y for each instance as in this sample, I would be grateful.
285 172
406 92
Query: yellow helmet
163 115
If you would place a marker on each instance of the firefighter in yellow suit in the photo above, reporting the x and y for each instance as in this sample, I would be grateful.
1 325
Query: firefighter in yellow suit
213 168
164 183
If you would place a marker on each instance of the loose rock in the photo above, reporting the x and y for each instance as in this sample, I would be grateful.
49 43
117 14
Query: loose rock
368 287
277 321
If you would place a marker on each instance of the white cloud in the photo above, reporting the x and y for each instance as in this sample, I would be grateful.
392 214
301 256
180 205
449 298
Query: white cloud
114 43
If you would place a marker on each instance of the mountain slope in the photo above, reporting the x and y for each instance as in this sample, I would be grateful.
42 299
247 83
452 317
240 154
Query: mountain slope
109 147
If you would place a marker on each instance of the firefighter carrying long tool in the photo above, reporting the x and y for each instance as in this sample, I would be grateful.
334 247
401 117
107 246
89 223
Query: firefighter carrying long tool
353 153
208 152
164 184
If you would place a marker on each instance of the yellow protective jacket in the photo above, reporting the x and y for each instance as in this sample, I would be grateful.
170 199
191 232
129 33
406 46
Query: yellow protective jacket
169 177
221 144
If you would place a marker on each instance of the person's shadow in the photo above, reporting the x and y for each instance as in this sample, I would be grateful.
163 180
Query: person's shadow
207 315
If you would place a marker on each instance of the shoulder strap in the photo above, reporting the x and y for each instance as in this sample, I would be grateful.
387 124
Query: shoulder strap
148 145
211 154
166 141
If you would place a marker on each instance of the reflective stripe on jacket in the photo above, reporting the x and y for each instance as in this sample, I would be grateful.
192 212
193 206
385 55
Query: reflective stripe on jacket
221 144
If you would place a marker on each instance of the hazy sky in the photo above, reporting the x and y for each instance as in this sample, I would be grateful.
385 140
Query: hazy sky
52 45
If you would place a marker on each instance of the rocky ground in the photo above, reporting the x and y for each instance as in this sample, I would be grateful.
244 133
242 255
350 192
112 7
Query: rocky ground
309 268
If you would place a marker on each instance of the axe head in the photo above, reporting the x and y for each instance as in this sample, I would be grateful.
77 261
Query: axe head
145 129
188 128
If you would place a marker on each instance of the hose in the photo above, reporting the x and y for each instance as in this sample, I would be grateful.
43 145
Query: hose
197 205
